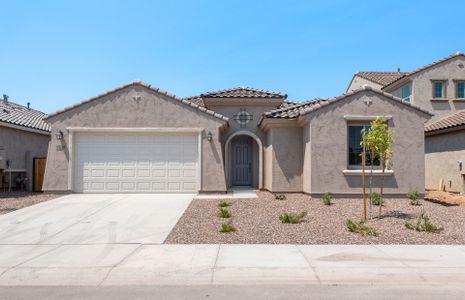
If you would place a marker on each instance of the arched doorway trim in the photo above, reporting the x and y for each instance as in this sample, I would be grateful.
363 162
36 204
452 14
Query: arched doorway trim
227 147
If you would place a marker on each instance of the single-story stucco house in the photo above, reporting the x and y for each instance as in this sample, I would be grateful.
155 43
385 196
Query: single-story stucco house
140 139
24 139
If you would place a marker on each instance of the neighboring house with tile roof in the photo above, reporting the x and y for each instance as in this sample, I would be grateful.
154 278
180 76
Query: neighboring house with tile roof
445 153
376 80
138 138
24 136
438 87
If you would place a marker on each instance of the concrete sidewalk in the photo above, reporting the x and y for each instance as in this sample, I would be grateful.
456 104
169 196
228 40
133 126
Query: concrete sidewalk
150 264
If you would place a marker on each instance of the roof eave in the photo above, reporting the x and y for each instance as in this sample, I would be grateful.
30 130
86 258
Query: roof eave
145 85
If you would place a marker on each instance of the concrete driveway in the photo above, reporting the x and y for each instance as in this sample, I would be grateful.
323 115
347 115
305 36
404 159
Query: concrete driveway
95 219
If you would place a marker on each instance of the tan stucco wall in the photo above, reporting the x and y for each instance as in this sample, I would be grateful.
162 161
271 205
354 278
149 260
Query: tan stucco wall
268 162
21 147
422 88
119 109
329 143
358 82
442 155
307 160
285 160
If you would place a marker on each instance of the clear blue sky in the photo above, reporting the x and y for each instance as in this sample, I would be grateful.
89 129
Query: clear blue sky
54 54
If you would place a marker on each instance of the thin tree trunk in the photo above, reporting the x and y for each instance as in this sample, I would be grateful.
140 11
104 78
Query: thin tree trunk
363 188
371 183
383 164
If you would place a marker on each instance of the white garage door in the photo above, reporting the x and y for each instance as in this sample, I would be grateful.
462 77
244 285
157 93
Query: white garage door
136 163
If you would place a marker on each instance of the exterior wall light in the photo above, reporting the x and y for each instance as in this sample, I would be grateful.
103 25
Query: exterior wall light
59 135
209 136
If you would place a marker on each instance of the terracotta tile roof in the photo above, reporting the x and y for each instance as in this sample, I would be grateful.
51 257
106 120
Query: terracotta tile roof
312 105
19 115
454 120
458 54
382 78
197 100
293 110
154 89
243 92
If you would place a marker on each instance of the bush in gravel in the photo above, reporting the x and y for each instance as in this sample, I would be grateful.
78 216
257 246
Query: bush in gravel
360 227
224 213
280 197
327 197
376 198
413 196
227 227
224 203
424 224
292 218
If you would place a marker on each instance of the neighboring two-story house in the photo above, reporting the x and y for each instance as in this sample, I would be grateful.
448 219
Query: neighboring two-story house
439 88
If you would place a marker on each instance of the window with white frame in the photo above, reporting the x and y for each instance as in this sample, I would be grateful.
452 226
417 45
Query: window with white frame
439 89
460 89
355 150
406 92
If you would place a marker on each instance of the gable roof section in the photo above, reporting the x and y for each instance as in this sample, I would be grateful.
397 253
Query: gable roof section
294 112
19 115
421 69
382 78
449 122
150 87
243 92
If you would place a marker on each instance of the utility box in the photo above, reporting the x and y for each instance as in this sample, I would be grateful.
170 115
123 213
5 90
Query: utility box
2 159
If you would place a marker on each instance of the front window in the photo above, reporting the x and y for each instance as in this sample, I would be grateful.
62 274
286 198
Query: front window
460 89
406 92
438 89
355 149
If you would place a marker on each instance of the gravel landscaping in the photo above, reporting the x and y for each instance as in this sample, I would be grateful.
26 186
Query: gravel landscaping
15 200
257 222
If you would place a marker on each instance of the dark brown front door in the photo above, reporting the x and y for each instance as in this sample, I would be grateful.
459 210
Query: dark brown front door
242 162
39 171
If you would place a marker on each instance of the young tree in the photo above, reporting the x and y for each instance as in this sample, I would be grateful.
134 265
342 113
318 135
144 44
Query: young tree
382 138
369 145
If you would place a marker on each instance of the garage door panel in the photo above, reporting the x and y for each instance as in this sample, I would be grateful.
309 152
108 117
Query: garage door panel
131 163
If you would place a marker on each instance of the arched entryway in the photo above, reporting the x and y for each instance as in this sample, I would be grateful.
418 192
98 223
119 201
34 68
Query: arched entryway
244 160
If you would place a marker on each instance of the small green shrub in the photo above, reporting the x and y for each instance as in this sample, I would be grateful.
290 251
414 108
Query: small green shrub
224 213
224 203
424 224
360 227
376 199
227 227
292 218
413 196
280 197
327 197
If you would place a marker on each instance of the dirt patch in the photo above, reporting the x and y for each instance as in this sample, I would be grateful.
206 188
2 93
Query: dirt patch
445 197
257 221
15 200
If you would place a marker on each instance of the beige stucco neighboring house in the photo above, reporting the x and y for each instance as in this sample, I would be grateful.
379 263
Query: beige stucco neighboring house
138 138
24 136
445 154
438 87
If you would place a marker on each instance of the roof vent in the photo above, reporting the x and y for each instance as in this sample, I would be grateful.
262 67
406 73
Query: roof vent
29 105
398 70
5 98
